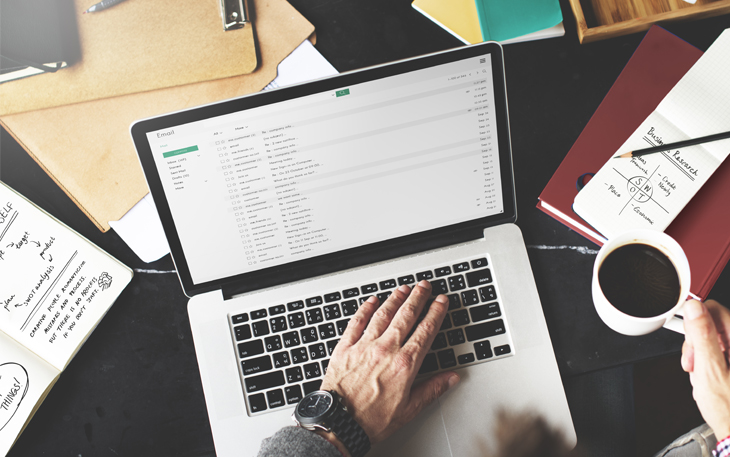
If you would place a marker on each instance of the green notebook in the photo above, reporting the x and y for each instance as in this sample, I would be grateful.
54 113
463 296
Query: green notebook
504 19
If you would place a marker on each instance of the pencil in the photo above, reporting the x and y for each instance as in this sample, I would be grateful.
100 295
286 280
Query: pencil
677 145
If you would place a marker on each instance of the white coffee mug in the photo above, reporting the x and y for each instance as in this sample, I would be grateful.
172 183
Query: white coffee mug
632 325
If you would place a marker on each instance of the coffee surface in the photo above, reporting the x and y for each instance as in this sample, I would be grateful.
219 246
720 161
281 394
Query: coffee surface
639 280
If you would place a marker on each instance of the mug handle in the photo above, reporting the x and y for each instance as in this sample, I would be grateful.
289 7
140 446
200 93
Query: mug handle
676 322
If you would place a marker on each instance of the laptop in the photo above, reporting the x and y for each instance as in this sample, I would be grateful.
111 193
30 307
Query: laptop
286 209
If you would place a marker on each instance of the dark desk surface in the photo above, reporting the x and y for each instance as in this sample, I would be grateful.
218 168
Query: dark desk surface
134 387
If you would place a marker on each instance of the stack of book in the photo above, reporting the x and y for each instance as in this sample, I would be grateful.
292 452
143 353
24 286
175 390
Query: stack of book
506 21
659 62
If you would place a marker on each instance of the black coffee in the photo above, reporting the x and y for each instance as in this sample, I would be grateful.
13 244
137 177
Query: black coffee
639 280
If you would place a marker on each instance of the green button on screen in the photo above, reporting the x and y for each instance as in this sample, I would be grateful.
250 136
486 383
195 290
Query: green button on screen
342 92
177 152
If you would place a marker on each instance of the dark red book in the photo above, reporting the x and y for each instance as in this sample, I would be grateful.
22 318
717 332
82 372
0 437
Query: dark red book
660 61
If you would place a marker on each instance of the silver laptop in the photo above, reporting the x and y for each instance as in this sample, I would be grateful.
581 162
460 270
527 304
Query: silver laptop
285 210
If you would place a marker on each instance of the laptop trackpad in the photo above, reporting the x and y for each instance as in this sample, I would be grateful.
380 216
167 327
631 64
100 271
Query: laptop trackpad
424 435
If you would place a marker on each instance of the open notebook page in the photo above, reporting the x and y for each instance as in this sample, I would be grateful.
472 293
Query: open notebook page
56 285
650 191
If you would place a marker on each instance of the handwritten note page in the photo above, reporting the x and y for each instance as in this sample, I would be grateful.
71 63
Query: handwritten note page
24 381
56 285
650 191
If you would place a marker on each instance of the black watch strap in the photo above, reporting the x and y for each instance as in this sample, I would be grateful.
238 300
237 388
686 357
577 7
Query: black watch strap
349 432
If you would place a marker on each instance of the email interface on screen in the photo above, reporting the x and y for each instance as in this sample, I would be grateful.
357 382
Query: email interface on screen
333 170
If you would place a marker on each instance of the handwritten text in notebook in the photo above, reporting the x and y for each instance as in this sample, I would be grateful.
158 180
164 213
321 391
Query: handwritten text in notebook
650 191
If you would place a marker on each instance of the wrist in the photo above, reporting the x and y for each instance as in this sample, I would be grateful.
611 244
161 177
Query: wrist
332 438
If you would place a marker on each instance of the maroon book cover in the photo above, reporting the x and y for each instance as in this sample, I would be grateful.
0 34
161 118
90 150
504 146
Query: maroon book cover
658 63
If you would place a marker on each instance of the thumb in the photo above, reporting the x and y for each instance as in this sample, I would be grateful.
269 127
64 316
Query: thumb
702 335
426 392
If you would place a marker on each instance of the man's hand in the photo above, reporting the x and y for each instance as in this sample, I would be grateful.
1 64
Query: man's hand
373 369
705 358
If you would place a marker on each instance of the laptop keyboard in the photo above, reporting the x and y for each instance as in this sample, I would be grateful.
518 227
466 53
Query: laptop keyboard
283 350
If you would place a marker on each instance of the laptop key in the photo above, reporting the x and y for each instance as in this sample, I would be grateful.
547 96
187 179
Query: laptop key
309 334
424 275
242 332
447 359
272 343
341 326
463 266
439 342
257 403
317 351
455 337
325 364
349 293
314 316
429 364
483 350
256 365
291 339
278 324
369 289
387 284
484 312
465 358
258 314
311 370
446 324
454 302
293 394
469 297
264 381
331 344
349 307
294 374
314 301
276 398
296 320
281 359
327 331
479 263
311 386
295 305
334 296
460 317
260 328
239 318
406 280
443 271
299 355
250 348
456 283
502 350
485 330
479 277
332 312
439 287
382 296
279 309
488 293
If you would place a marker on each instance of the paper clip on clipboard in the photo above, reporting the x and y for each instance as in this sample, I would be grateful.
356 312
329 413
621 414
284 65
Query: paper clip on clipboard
234 13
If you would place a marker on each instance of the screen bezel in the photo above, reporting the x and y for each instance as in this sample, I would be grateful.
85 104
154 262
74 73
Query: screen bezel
352 257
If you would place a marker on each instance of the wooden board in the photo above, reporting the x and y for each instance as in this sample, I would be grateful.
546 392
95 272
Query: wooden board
601 19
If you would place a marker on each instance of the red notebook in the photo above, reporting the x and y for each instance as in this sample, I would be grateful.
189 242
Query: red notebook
703 227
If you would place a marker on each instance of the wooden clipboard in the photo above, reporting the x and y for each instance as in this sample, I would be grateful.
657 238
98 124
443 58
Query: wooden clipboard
86 147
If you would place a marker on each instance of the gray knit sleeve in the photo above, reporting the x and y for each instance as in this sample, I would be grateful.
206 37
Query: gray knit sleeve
297 442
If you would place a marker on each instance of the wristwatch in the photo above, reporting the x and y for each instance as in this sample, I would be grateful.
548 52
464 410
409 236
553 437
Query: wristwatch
323 410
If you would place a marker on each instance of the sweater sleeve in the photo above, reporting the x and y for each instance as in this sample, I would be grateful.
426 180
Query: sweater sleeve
297 442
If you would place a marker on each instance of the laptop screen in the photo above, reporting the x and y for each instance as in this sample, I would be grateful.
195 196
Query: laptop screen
302 173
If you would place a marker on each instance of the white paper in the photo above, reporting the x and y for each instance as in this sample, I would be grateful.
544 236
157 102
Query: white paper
141 229
649 191
56 285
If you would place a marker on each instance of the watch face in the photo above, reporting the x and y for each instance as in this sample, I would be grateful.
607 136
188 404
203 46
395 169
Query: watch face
314 404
